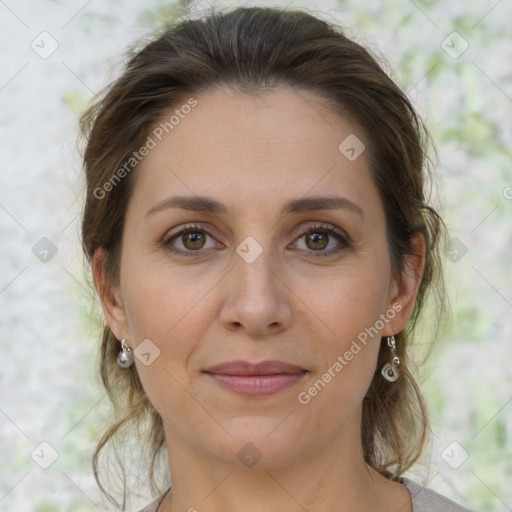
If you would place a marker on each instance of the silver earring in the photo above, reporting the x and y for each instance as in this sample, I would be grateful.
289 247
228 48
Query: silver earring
389 371
125 357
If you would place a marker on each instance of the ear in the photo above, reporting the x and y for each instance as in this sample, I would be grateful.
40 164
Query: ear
405 290
110 296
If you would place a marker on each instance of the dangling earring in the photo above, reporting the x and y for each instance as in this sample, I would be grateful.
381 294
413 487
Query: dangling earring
125 357
389 371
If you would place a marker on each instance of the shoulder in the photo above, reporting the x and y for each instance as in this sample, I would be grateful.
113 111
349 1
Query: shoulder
153 506
427 500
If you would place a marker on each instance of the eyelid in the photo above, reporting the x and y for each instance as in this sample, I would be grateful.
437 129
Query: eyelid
171 233
325 226
182 230
343 239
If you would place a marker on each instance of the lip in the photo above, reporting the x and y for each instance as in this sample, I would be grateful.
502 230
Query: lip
247 368
256 379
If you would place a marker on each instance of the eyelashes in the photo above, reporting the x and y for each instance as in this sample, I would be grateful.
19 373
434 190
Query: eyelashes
189 229
332 233
327 234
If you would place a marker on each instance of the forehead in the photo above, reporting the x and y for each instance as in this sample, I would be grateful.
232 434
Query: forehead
253 150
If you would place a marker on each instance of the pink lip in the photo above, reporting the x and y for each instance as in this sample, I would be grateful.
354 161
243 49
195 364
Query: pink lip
261 379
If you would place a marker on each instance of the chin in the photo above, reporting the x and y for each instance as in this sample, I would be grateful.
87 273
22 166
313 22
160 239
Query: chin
258 442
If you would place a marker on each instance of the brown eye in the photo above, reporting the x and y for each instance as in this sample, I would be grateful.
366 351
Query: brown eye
190 241
317 241
318 238
193 240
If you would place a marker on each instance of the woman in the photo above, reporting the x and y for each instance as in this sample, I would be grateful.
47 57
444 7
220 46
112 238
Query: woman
262 245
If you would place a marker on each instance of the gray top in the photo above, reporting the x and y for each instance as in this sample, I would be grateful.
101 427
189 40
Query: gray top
427 500
423 500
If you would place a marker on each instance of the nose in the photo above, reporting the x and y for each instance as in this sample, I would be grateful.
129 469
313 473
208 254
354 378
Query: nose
258 300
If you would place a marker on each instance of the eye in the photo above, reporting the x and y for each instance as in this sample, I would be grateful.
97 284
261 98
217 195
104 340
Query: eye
192 239
319 237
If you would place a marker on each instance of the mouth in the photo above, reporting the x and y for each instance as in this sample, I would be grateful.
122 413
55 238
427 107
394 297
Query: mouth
256 379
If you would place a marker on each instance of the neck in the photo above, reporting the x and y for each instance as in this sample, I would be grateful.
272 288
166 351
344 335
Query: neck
332 478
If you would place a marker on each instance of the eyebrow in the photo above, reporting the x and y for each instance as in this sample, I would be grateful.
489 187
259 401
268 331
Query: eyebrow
210 205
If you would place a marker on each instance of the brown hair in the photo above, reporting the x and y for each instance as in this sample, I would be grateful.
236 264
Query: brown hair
255 50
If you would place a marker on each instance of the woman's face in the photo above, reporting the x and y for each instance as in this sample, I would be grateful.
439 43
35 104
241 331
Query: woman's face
248 283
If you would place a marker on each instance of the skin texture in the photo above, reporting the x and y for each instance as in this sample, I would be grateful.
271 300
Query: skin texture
253 154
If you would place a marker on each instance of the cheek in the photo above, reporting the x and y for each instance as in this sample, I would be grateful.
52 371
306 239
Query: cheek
348 300
173 311
171 307
347 307
159 299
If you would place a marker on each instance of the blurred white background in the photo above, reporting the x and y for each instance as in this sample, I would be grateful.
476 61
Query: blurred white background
454 58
